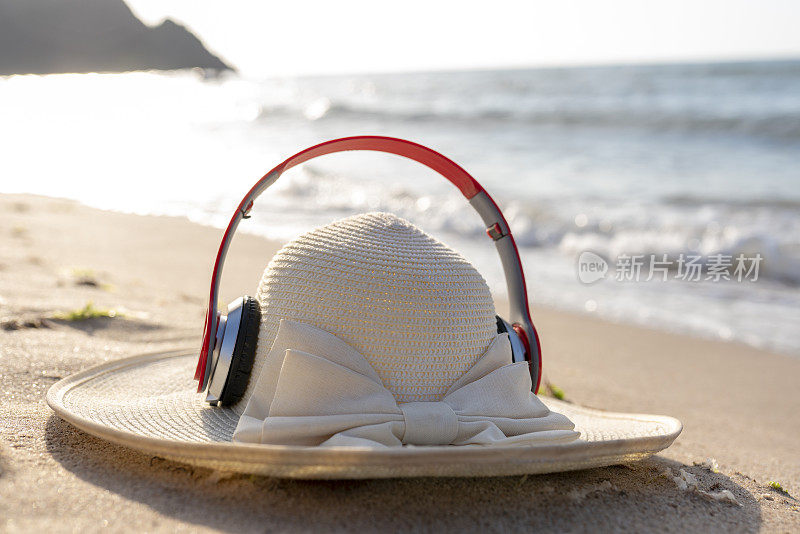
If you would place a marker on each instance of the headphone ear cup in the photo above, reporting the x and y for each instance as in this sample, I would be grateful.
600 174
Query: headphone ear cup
244 352
518 352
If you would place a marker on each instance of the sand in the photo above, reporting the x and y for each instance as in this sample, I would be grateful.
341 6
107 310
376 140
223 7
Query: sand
739 406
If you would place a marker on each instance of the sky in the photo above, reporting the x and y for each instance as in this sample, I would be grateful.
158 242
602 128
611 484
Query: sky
345 36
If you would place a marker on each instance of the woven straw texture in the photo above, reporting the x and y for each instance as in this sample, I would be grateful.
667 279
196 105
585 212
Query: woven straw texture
150 403
419 312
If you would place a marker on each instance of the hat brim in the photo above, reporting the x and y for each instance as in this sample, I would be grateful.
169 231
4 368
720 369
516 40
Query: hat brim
149 403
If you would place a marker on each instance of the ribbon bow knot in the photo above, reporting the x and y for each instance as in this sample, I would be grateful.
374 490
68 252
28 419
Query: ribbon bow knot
429 423
315 389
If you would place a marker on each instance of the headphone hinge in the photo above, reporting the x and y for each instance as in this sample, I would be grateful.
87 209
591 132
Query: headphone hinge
495 231
246 211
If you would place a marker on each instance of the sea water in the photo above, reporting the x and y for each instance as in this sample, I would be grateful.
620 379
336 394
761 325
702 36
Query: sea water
683 160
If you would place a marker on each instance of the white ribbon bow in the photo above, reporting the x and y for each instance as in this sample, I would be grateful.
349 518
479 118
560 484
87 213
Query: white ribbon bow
315 389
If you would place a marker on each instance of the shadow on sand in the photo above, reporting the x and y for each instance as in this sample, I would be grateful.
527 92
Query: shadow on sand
636 497
111 327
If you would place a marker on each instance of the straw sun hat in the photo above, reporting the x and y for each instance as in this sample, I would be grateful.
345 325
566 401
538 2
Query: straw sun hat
378 355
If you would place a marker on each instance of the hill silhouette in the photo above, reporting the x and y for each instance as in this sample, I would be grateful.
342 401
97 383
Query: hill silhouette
49 36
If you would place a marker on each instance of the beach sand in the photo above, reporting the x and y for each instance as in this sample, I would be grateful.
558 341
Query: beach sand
739 406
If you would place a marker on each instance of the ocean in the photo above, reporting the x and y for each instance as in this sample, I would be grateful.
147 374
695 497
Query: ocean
662 162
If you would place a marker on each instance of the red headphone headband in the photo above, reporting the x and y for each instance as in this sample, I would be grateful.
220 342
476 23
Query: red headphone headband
469 187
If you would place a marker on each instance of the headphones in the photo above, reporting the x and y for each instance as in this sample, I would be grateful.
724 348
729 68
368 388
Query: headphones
229 341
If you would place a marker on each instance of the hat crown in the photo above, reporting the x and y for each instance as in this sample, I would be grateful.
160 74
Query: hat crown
418 311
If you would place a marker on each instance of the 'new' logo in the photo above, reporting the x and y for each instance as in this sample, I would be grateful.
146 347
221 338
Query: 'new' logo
591 267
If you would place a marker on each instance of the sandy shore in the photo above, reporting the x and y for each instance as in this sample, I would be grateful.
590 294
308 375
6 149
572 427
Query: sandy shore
738 405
